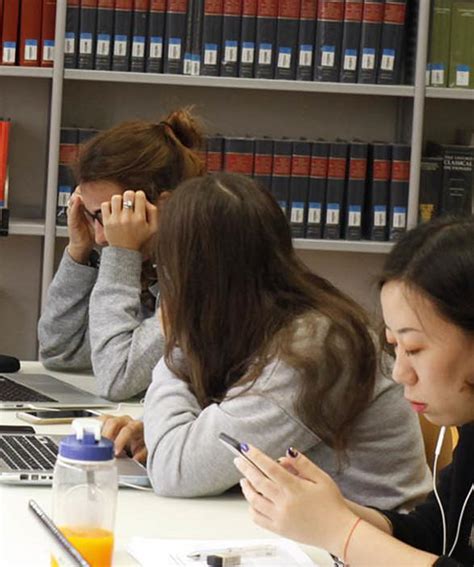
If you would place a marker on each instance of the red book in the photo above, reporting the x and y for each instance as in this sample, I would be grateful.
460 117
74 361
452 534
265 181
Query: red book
48 22
4 138
11 12
30 32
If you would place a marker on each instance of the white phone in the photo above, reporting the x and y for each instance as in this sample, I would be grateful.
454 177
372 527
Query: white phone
51 416
235 447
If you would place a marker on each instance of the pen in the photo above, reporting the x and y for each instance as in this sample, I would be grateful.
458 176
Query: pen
58 537
256 550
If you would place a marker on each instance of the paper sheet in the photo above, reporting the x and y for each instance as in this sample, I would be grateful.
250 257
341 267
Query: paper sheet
175 552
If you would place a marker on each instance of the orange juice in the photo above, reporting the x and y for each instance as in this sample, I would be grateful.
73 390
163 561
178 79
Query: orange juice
95 545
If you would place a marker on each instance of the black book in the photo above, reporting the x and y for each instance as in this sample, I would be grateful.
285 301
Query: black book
380 163
281 171
238 155
104 32
306 32
68 140
267 13
399 182
391 44
155 35
87 34
300 167
139 33
327 45
215 154
196 44
335 189
371 30
431 185
188 39
71 42
231 22
318 174
211 37
175 36
122 35
287 39
247 37
263 162
351 40
355 193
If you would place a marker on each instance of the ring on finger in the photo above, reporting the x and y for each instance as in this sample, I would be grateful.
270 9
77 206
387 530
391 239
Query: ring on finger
128 204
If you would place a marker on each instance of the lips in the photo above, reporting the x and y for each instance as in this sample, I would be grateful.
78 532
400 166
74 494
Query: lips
419 407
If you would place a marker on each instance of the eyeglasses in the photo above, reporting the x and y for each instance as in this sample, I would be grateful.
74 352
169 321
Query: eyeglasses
97 216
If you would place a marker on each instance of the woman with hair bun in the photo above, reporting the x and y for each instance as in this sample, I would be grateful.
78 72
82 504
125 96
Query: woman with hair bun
100 311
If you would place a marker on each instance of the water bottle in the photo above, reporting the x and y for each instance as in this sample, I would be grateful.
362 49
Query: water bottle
85 487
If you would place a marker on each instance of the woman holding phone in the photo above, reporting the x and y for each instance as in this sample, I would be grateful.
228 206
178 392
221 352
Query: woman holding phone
100 311
427 296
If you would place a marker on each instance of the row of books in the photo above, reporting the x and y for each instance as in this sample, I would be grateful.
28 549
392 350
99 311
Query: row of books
27 30
451 50
5 126
327 40
332 190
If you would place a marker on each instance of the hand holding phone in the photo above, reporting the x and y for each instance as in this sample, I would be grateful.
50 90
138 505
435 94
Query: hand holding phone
235 447
50 416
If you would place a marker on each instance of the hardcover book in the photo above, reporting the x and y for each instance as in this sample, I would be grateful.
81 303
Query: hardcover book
231 21
215 154
306 33
335 190
238 155
356 189
196 44
71 39
327 47
48 24
247 37
461 61
351 40
287 39
431 183
155 39
440 35
267 13
380 162
317 188
104 32
87 34
211 37
391 43
11 16
281 171
139 35
188 39
122 35
398 199
298 201
68 147
175 30
263 163
371 30
30 32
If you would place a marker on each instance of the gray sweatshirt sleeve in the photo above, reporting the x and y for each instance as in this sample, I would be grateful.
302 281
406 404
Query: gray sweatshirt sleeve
126 344
63 332
185 457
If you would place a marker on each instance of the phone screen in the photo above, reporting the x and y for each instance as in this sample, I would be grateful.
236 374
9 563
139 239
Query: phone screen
61 414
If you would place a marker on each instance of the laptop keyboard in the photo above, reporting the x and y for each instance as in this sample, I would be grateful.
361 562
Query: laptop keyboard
11 391
28 452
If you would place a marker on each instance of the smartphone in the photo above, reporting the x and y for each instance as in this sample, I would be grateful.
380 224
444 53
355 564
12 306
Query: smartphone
234 446
51 416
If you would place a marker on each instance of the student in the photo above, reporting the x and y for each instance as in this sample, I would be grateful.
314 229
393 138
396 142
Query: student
103 316
427 295
258 347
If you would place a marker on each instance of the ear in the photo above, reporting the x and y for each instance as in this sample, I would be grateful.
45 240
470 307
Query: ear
163 196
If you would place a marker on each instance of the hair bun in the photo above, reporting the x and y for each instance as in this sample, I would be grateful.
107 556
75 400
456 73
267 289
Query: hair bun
186 128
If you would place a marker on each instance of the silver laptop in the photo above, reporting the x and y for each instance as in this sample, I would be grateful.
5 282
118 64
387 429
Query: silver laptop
28 458
18 391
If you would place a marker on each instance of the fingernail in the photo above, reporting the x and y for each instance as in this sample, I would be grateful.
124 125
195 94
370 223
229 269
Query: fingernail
244 447
293 453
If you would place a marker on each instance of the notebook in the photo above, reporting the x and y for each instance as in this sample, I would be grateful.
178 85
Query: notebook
19 391
30 459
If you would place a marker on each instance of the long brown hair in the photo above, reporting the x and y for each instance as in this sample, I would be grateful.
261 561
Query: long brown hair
235 296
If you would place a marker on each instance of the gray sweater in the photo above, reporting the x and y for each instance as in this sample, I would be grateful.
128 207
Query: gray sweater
386 469
95 319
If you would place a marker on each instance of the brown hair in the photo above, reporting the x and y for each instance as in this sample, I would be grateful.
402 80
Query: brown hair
235 295
144 155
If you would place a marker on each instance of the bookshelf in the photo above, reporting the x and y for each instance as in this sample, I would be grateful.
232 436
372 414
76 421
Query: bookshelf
40 101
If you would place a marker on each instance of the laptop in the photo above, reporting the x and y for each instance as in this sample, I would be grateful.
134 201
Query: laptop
30 391
29 458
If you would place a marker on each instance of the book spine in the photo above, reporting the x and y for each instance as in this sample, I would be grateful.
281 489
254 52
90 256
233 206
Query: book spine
139 33
391 43
267 14
122 35
438 59
372 18
48 24
300 166
317 188
104 31
211 37
188 39
306 32
215 154
287 39
351 40
461 62
5 127
378 187
87 34
328 40
71 39
11 18
355 196
399 190
238 155
198 10
263 163
231 23
281 171
247 37
457 181
156 31
175 35
30 32
431 180
68 147
337 166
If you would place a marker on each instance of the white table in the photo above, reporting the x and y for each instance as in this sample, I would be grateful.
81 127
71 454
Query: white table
22 541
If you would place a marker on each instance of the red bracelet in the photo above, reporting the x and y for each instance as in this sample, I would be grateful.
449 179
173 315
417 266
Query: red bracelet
348 539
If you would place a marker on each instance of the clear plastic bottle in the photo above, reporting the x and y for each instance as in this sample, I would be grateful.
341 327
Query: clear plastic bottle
85 487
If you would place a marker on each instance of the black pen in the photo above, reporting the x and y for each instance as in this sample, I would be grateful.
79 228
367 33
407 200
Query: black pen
58 537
